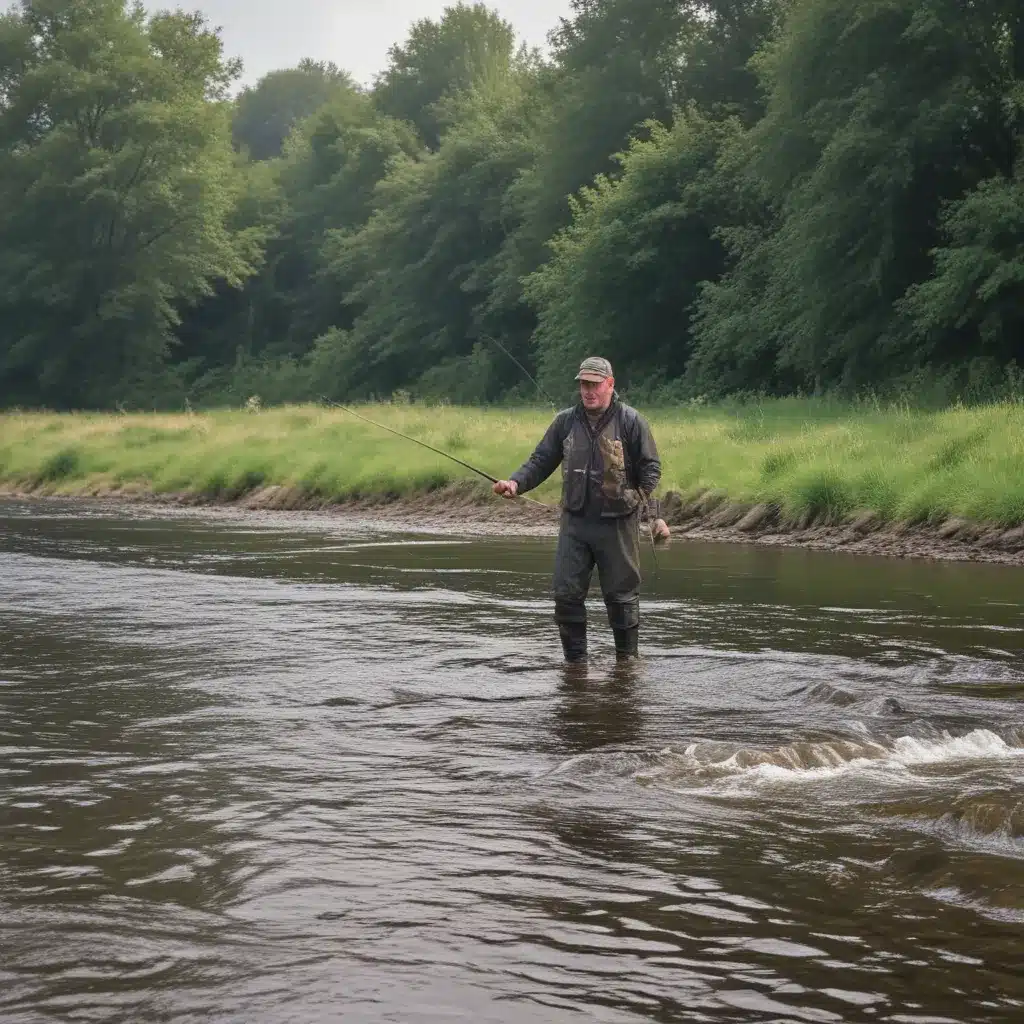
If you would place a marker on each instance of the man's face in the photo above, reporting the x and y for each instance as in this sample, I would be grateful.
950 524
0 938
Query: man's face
597 396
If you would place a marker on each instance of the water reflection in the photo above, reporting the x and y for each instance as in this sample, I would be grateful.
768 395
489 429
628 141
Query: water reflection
599 706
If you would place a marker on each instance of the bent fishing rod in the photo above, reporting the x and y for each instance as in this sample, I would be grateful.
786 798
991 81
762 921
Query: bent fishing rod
429 447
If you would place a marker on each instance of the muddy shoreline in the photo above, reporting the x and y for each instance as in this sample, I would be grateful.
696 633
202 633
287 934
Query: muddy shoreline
468 510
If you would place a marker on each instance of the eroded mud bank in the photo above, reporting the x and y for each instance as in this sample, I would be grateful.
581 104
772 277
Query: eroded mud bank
471 510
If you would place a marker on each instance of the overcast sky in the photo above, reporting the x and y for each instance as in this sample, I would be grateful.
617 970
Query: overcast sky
355 34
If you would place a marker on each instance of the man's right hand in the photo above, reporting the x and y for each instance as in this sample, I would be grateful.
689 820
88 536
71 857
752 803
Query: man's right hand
506 488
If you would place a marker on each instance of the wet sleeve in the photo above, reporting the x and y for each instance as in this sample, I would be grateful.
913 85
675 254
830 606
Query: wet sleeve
646 458
545 459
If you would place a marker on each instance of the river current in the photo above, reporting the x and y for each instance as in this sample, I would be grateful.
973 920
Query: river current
305 770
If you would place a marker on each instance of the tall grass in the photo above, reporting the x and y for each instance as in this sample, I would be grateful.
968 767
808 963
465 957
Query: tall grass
810 458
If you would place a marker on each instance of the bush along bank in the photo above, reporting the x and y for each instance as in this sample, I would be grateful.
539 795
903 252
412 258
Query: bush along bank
782 471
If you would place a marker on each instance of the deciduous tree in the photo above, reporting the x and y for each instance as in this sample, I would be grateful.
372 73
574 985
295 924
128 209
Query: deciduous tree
116 182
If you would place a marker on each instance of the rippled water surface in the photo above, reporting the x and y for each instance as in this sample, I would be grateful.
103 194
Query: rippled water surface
284 771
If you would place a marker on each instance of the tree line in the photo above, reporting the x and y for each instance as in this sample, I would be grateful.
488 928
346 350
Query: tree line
721 196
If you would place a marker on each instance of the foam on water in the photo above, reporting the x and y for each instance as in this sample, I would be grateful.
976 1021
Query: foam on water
822 761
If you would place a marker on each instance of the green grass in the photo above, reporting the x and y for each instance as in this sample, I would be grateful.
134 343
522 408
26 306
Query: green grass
811 458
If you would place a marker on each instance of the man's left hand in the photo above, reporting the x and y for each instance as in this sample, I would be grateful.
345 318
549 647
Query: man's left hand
660 530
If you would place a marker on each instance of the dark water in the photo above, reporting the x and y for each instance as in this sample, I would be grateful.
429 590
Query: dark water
266 775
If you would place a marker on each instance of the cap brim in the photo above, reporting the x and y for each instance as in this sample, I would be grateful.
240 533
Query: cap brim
594 378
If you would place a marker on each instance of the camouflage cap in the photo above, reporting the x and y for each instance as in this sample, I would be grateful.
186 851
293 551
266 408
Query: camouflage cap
595 369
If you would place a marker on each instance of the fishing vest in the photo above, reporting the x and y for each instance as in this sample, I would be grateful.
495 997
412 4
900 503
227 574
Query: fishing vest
599 457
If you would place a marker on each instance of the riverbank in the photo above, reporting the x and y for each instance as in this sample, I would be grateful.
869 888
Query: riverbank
454 511
894 482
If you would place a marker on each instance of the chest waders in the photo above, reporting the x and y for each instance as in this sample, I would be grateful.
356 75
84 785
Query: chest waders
603 532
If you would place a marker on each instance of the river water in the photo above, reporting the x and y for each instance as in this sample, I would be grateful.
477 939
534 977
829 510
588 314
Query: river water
284 771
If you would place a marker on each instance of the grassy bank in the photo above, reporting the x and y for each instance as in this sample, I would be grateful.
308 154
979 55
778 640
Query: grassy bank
813 460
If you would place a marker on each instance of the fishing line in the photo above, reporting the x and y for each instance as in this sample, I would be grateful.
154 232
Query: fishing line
650 530
540 390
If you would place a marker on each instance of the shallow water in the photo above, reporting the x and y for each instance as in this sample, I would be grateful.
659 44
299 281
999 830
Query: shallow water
313 773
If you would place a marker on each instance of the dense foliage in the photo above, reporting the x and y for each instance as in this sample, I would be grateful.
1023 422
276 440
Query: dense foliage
722 196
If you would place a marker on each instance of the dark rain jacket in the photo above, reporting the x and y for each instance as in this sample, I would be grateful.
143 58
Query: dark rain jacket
613 461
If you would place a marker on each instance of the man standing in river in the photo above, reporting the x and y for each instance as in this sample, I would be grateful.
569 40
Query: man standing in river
610 469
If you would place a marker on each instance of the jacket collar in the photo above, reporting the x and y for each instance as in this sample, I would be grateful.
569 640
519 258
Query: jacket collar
581 412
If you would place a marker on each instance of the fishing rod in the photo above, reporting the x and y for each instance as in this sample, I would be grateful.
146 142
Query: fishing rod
429 447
